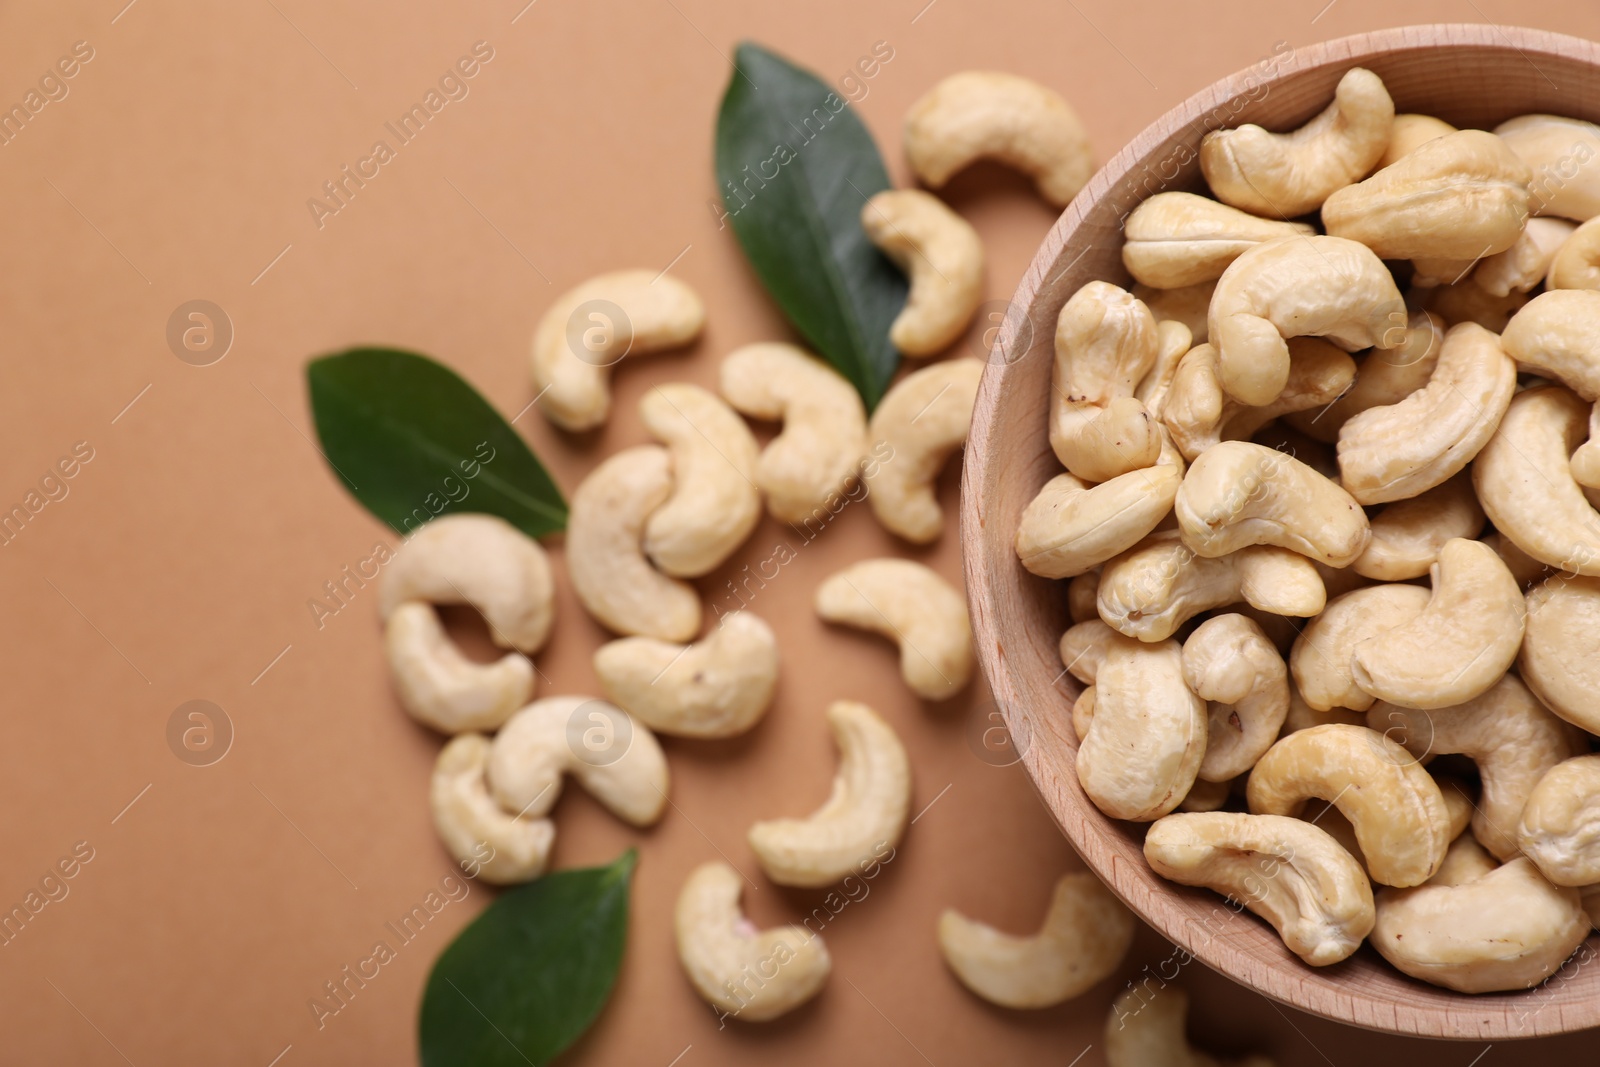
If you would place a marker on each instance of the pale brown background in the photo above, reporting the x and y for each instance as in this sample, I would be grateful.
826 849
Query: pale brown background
181 562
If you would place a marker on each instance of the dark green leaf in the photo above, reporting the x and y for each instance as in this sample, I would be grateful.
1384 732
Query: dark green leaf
795 167
406 433
531 973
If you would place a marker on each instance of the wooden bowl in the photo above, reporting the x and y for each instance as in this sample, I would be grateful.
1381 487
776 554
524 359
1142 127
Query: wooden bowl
1472 76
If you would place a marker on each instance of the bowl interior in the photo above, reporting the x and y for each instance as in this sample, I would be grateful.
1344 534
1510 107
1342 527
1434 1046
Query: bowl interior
1471 76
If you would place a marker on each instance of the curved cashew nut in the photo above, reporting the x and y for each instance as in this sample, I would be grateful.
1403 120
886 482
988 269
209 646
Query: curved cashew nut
1196 405
1384 377
1086 934
1282 175
1238 494
908 603
615 758
1398 813
919 422
468 820
1525 482
480 560
1459 197
1398 451
718 687
1553 337
1524 265
985 115
1177 239
1083 648
605 549
1586 460
1106 342
1576 264
593 326
1506 732
1410 132
1408 534
1199 413
1560 825
1148 734
1562 154
865 812
1189 306
824 433
1151 591
1321 659
714 503
1560 657
1460 644
753 975
940 253
1230 664
1296 287
1289 872
1149 1033
1173 341
1508 929
1081 593
1070 527
442 688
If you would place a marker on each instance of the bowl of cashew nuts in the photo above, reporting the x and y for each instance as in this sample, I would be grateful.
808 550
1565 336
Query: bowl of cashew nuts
1281 532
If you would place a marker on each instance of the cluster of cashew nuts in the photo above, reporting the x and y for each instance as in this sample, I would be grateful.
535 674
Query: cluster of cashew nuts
1261 619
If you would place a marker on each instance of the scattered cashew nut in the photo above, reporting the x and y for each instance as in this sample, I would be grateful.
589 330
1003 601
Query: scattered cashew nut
442 688
908 603
1149 1033
718 687
919 422
940 253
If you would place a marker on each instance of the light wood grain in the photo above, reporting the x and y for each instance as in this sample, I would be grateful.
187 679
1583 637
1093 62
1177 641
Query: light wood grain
1469 75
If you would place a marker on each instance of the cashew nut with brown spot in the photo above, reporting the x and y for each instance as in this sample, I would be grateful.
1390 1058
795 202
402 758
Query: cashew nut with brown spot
1560 825
718 687
912 605
1086 934
1524 265
1149 1033
442 688
1560 657
1410 132
1321 659
1408 534
469 820
941 254
1177 239
1070 527
1230 664
1553 337
920 422
593 326
1106 341
1383 377
1562 154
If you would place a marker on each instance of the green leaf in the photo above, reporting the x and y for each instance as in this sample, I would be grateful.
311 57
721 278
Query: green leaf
531 973
405 434
795 167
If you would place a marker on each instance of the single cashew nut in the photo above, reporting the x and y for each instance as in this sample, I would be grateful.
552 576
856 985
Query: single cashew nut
442 688
1524 265
1173 341
865 812
986 115
755 975
1576 264
469 822
1560 657
1553 337
941 253
1240 494
908 603
1408 534
615 758
714 503
480 560
1071 527
1081 596
1230 664
1321 659
718 687
1083 648
605 549
1560 825
919 423
1398 451
1398 813
1296 287
1106 342
1189 306
1148 734
1177 239
1086 934
1410 132
593 326
1282 175
1149 1033
1196 405
1289 872
824 433
1383 377
1562 153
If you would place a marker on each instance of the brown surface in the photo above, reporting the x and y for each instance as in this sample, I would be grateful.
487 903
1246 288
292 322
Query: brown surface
182 561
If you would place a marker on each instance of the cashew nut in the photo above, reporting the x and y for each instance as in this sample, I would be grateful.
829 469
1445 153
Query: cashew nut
480 560
593 326
1408 534
442 688
919 422
1562 154
912 605
1086 934
719 687
1524 265
1576 264
1303 716
1398 813
1230 664
1198 413
1586 460
1410 132
1288 872
755 975
865 811
986 115
1148 734
1189 306
1401 450
615 758
1553 337
1106 342
1523 567
1149 1033
1282 175
1196 406
714 503
1081 592
1560 825
1321 659
1083 648
1295 287
468 819
1083 718
1383 378
941 253
1178 239
824 426
1240 494
1070 527
1560 657
1173 341
1467 301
